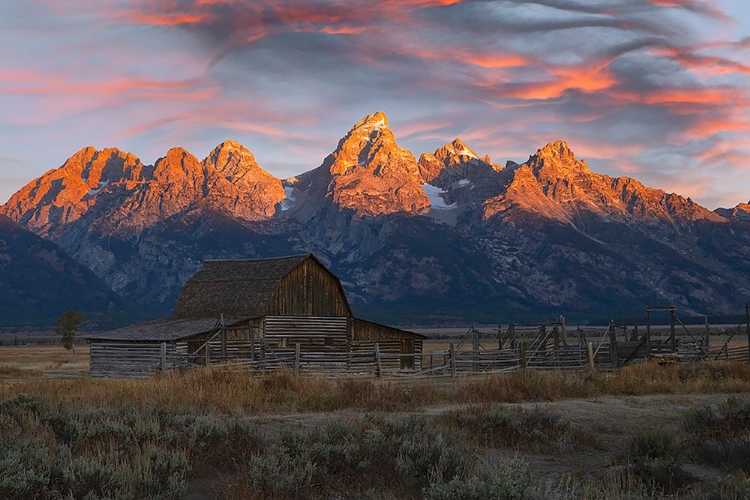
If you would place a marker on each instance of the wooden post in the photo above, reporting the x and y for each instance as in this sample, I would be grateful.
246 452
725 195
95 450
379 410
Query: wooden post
563 329
591 356
296 359
524 346
624 333
648 333
556 332
474 349
453 359
499 337
430 361
223 340
252 343
613 345
163 360
207 347
634 337
512 335
707 337
581 337
671 329
378 367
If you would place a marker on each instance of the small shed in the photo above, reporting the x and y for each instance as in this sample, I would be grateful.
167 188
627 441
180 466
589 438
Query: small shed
251 310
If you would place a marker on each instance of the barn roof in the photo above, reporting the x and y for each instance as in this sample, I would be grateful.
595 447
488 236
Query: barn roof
243 287
166 329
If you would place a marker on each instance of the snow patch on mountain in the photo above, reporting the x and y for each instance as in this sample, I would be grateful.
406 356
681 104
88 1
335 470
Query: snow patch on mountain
435 195
102 186
288 202
466 152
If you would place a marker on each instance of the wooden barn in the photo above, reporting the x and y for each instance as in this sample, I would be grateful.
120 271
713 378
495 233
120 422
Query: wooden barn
257 312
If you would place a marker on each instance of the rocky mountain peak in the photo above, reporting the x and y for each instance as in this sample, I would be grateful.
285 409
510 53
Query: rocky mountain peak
375 121
230 158
178 166
556 159
459 148
368 173
740 212
455 162
235 184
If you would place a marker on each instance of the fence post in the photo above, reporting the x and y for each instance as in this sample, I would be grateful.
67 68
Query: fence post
499 337
557 345
613 345
671 328
635 335
523 354
252 343
378 367
648 333
207 347
474 349
296 359
453 359
163 358
707 338
591 356
223 340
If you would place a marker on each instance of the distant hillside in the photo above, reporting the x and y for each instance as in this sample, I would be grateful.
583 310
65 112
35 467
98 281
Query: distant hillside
39 281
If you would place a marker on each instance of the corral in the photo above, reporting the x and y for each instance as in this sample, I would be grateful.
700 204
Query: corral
258 313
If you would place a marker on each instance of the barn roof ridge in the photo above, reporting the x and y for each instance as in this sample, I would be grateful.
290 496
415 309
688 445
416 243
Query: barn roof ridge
260 259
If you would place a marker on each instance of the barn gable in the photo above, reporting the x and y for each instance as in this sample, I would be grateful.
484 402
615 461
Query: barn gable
256 288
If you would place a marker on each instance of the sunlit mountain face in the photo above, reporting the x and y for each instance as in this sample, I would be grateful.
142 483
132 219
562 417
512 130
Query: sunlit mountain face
449 235
653 90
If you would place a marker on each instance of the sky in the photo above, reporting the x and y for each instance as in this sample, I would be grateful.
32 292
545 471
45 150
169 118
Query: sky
658 90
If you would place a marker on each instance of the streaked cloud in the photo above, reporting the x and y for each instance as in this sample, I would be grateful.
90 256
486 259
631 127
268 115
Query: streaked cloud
647 88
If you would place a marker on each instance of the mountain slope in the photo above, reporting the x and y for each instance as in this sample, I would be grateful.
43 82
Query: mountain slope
38 282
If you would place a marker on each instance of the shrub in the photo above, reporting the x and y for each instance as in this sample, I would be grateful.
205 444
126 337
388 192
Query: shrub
512 481
721 435
534 430
53 450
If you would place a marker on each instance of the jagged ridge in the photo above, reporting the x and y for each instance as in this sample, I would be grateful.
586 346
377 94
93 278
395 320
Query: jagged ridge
545 233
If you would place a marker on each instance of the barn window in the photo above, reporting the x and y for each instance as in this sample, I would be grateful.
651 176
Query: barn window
329 342
283 342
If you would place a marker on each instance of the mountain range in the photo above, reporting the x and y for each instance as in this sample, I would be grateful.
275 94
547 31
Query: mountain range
447 237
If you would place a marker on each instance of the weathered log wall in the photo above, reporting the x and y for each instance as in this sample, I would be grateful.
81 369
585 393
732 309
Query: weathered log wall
130 359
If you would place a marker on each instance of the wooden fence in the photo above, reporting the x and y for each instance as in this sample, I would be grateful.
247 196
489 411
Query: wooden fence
550 346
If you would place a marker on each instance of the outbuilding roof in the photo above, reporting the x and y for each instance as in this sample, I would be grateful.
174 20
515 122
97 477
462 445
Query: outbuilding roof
166 329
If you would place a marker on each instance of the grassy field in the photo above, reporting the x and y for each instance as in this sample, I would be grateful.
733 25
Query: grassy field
647 431
43 361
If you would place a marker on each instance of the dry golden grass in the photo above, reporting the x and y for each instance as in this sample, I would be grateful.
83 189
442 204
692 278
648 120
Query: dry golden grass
222 390
42 361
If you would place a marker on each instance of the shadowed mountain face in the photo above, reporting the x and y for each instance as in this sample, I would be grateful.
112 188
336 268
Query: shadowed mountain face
39 281
451 236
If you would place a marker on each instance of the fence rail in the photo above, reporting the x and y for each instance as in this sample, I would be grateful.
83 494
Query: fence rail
452 362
